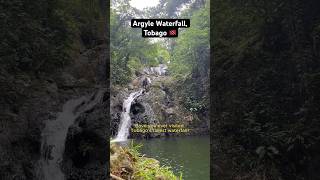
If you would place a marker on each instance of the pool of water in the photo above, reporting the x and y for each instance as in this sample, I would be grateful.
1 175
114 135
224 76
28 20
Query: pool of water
189 155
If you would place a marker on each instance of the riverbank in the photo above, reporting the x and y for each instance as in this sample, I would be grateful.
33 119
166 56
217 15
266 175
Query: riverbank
129 163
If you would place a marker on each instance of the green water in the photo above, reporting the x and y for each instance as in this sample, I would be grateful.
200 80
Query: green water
189 155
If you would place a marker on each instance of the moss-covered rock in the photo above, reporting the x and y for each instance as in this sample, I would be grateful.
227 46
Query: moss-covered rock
127 163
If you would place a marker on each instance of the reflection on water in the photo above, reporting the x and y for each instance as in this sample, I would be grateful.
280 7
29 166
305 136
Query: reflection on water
189 155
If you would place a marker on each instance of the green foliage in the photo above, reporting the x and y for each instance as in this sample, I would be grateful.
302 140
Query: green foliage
134 64
37 36
134 149
194 105
148 168
129 51
143 168
266 109
192 47
190 60
144 172
30 42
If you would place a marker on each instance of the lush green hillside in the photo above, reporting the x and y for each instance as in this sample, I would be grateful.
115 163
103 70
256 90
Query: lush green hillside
265 89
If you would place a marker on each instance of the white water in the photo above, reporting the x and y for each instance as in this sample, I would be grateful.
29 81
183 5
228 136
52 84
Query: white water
159 70
149 80
125 121
55 133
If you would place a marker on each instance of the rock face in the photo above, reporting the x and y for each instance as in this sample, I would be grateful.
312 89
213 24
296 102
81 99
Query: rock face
159 104
116 102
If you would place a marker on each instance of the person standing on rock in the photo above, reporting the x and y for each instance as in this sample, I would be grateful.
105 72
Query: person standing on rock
145 84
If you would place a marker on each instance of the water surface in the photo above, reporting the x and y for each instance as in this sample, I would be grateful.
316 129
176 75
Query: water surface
189 155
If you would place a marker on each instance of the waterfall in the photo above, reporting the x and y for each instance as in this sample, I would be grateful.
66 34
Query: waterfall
55 133
159 70
125 121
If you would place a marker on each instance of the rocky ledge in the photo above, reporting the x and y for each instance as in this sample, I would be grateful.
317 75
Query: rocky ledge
127 163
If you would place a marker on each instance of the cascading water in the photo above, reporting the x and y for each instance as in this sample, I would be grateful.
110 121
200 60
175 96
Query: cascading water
55 133
125 122
159 70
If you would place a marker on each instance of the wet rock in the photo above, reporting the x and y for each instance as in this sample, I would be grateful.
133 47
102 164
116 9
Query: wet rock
137 108
116 103
169 111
